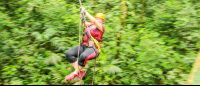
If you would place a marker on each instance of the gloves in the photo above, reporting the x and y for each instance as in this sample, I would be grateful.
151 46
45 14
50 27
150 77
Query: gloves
82 17
82 10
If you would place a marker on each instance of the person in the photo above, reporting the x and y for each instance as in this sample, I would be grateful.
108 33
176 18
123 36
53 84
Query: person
86 52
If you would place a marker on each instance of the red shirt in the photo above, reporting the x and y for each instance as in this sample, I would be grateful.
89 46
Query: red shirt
95 32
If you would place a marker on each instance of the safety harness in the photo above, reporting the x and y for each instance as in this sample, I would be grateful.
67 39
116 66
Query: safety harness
92 42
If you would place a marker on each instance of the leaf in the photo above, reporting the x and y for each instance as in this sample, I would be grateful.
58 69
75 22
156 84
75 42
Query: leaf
48 33
116 61
55 41
37 35
79 83
53 58
114 69
16 82
38 83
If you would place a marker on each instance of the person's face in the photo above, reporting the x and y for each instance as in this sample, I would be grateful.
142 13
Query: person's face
99 19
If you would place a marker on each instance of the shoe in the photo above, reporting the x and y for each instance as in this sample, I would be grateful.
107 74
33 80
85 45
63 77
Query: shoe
81 75
70 77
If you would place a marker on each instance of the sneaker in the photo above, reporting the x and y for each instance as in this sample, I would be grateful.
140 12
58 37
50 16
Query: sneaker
70 77
81 75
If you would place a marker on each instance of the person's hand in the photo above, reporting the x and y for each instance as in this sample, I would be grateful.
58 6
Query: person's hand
83 11
82 17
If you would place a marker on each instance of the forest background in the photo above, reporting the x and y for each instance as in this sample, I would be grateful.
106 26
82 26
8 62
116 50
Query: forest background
146 42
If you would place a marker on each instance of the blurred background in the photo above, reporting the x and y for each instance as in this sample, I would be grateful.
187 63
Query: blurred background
146 42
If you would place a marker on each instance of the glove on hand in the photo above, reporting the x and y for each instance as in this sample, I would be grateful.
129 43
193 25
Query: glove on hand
83 11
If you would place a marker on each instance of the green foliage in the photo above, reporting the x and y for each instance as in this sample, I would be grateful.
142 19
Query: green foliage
160 50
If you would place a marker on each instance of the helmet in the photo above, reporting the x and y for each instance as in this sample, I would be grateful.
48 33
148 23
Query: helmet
100 15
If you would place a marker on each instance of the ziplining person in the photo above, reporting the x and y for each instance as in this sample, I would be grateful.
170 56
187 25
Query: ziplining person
88 50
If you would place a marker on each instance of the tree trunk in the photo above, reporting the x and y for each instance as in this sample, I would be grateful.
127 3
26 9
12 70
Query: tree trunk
142 12
123 17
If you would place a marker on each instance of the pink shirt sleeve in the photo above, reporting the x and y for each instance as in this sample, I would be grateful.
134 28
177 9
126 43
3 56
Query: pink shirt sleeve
103 28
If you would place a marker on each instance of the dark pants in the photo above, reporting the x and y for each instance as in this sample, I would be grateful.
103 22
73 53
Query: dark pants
85 53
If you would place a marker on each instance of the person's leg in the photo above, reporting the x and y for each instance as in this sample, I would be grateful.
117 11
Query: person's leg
71 54
76 67
88 54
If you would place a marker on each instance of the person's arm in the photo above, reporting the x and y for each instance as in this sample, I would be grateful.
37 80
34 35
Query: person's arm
86 24
94 21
